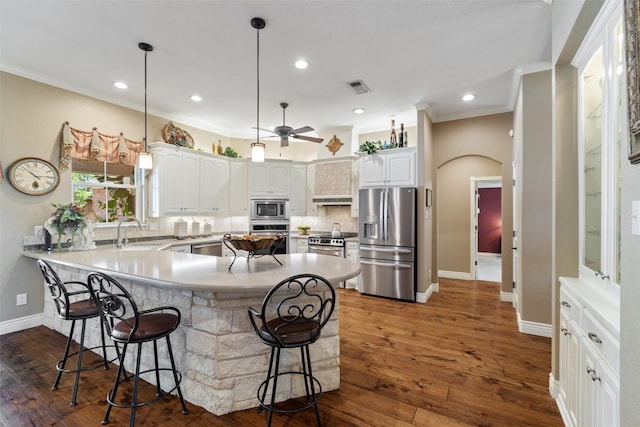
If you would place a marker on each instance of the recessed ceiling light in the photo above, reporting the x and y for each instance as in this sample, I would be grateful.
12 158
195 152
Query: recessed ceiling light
196 98
301 64
120 85
468 97
358 110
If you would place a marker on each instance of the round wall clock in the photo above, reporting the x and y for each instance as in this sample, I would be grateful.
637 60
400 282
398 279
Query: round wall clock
33 176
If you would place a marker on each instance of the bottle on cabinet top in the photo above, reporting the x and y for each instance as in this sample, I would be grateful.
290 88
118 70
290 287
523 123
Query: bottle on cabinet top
401 142
393 142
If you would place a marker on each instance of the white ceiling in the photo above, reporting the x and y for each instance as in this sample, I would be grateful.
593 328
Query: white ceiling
409 53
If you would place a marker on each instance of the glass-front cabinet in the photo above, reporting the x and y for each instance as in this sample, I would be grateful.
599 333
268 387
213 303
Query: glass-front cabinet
602 135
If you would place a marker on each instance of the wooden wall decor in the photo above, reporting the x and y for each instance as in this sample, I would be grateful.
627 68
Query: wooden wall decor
334 145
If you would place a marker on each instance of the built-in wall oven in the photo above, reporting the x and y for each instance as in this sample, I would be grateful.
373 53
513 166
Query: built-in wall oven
272 228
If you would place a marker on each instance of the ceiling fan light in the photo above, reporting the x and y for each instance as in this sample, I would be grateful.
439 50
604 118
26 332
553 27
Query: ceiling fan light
145 160
257 152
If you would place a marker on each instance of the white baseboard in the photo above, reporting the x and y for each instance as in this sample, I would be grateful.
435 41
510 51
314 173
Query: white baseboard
454 275
554 386
506 296
534 328
424 296
15 325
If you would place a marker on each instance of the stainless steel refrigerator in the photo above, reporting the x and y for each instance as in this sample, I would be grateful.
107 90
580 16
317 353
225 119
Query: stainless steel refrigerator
387 235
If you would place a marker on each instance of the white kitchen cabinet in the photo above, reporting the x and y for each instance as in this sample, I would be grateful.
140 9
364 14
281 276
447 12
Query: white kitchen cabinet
238 200
174 181
389 168
355 182
589 355
301 246
219 186
352 251
269 179
298 200
312 208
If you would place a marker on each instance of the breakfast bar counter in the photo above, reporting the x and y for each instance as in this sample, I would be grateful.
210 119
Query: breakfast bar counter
221 359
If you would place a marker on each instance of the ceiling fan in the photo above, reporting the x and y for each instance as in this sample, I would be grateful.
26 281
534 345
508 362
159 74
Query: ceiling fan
284 131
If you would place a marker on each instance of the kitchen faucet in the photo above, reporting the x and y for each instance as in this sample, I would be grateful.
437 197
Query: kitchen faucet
120 243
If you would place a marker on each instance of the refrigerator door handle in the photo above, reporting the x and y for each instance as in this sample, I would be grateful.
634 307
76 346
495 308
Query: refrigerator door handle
385 214
386 249
386 263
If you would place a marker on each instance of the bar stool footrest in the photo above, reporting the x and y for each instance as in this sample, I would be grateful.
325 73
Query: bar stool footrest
155 399
310 402
88 368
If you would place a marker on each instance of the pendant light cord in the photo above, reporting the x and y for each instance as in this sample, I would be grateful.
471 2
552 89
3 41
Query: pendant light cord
258 85
145 101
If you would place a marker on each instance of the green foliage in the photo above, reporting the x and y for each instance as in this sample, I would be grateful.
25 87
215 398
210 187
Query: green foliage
230 152
370 147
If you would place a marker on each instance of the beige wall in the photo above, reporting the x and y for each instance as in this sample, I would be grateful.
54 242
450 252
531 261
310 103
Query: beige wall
31 118
485 137
455 209
534 183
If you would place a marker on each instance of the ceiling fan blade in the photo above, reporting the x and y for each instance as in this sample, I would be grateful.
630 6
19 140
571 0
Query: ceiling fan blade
308 138
284 141
302 129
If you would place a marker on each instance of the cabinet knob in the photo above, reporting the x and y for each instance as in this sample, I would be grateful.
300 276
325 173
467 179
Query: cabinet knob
566 304
565 331
593 337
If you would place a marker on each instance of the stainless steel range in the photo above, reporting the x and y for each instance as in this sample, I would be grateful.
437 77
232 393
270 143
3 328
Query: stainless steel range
329 243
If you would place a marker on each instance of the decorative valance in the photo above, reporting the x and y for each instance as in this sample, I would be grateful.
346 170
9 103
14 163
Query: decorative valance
95 146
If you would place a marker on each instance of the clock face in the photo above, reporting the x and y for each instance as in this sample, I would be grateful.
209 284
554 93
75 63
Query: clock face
34 176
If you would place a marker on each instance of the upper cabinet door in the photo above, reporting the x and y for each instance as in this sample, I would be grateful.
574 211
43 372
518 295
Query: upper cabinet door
389 168
269 179
603 140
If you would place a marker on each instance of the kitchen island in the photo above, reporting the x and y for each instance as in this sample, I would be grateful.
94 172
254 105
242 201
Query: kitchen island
221 359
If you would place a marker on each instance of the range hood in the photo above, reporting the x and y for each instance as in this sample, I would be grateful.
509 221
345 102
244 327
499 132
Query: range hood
332 184
333 200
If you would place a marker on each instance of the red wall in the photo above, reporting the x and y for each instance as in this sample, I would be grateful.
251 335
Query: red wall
489 220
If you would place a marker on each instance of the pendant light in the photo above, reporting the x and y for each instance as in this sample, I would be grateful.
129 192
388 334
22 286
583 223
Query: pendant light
257 148
145 160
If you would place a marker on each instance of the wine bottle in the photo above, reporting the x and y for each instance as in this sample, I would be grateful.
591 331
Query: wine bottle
401 142
392 138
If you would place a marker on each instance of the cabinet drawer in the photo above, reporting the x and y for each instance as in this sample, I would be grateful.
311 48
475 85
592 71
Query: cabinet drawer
352 245
602 340
570 305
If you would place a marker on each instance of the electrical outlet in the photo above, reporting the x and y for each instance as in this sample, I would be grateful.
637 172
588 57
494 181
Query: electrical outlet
153 226
38 230
21 299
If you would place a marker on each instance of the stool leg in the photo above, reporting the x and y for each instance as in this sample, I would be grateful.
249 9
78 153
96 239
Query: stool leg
136 382
175 377
155 359
313 388
104 346
79 367
266 386
61 364
305 374
275 384
111 396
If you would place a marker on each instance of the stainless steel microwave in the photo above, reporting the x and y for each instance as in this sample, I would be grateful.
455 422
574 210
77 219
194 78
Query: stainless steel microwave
274 209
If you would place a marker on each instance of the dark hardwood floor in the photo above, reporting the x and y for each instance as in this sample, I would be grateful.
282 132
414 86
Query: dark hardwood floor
457 360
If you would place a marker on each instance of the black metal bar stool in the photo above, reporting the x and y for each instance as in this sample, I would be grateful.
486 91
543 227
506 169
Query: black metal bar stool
126 325
67 298
292 315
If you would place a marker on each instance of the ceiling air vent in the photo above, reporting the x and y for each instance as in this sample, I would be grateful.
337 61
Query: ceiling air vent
359 87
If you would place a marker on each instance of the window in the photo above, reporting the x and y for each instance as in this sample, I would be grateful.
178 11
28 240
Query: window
112 189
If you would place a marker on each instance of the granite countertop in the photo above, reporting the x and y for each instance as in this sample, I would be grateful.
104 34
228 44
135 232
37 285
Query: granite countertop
149 265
